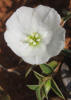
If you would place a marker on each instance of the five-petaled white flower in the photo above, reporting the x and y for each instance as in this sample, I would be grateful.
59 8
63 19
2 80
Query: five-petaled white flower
35 34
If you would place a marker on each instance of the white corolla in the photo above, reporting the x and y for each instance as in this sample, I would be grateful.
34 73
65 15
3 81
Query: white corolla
35 34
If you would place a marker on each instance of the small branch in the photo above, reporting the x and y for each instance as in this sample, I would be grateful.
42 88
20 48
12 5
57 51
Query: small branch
10 70
44 80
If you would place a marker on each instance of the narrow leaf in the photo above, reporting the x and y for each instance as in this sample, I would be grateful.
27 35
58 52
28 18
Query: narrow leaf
28 72
53 65
38 76
47 86
33 87
45 69
38 94
43 94
56 89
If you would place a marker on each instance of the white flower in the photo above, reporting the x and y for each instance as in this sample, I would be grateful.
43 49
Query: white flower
35 34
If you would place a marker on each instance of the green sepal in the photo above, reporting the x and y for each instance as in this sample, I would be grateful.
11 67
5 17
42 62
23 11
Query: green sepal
56 89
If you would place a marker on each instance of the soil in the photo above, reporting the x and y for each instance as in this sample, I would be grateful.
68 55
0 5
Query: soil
13 83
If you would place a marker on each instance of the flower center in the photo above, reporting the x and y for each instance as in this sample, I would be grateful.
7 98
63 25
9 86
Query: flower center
33 39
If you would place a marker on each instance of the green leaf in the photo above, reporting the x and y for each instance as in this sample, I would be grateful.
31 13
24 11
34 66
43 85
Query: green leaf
38 76
53 65
38 94
48 68
45 69
56 89
47 86
43 94
28 71
33 87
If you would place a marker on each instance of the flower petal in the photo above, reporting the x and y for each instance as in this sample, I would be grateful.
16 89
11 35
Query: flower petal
21 20
46 34
47 16
57 42
37 57
14 41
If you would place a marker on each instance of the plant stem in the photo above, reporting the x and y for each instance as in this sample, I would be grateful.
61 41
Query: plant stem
65 19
